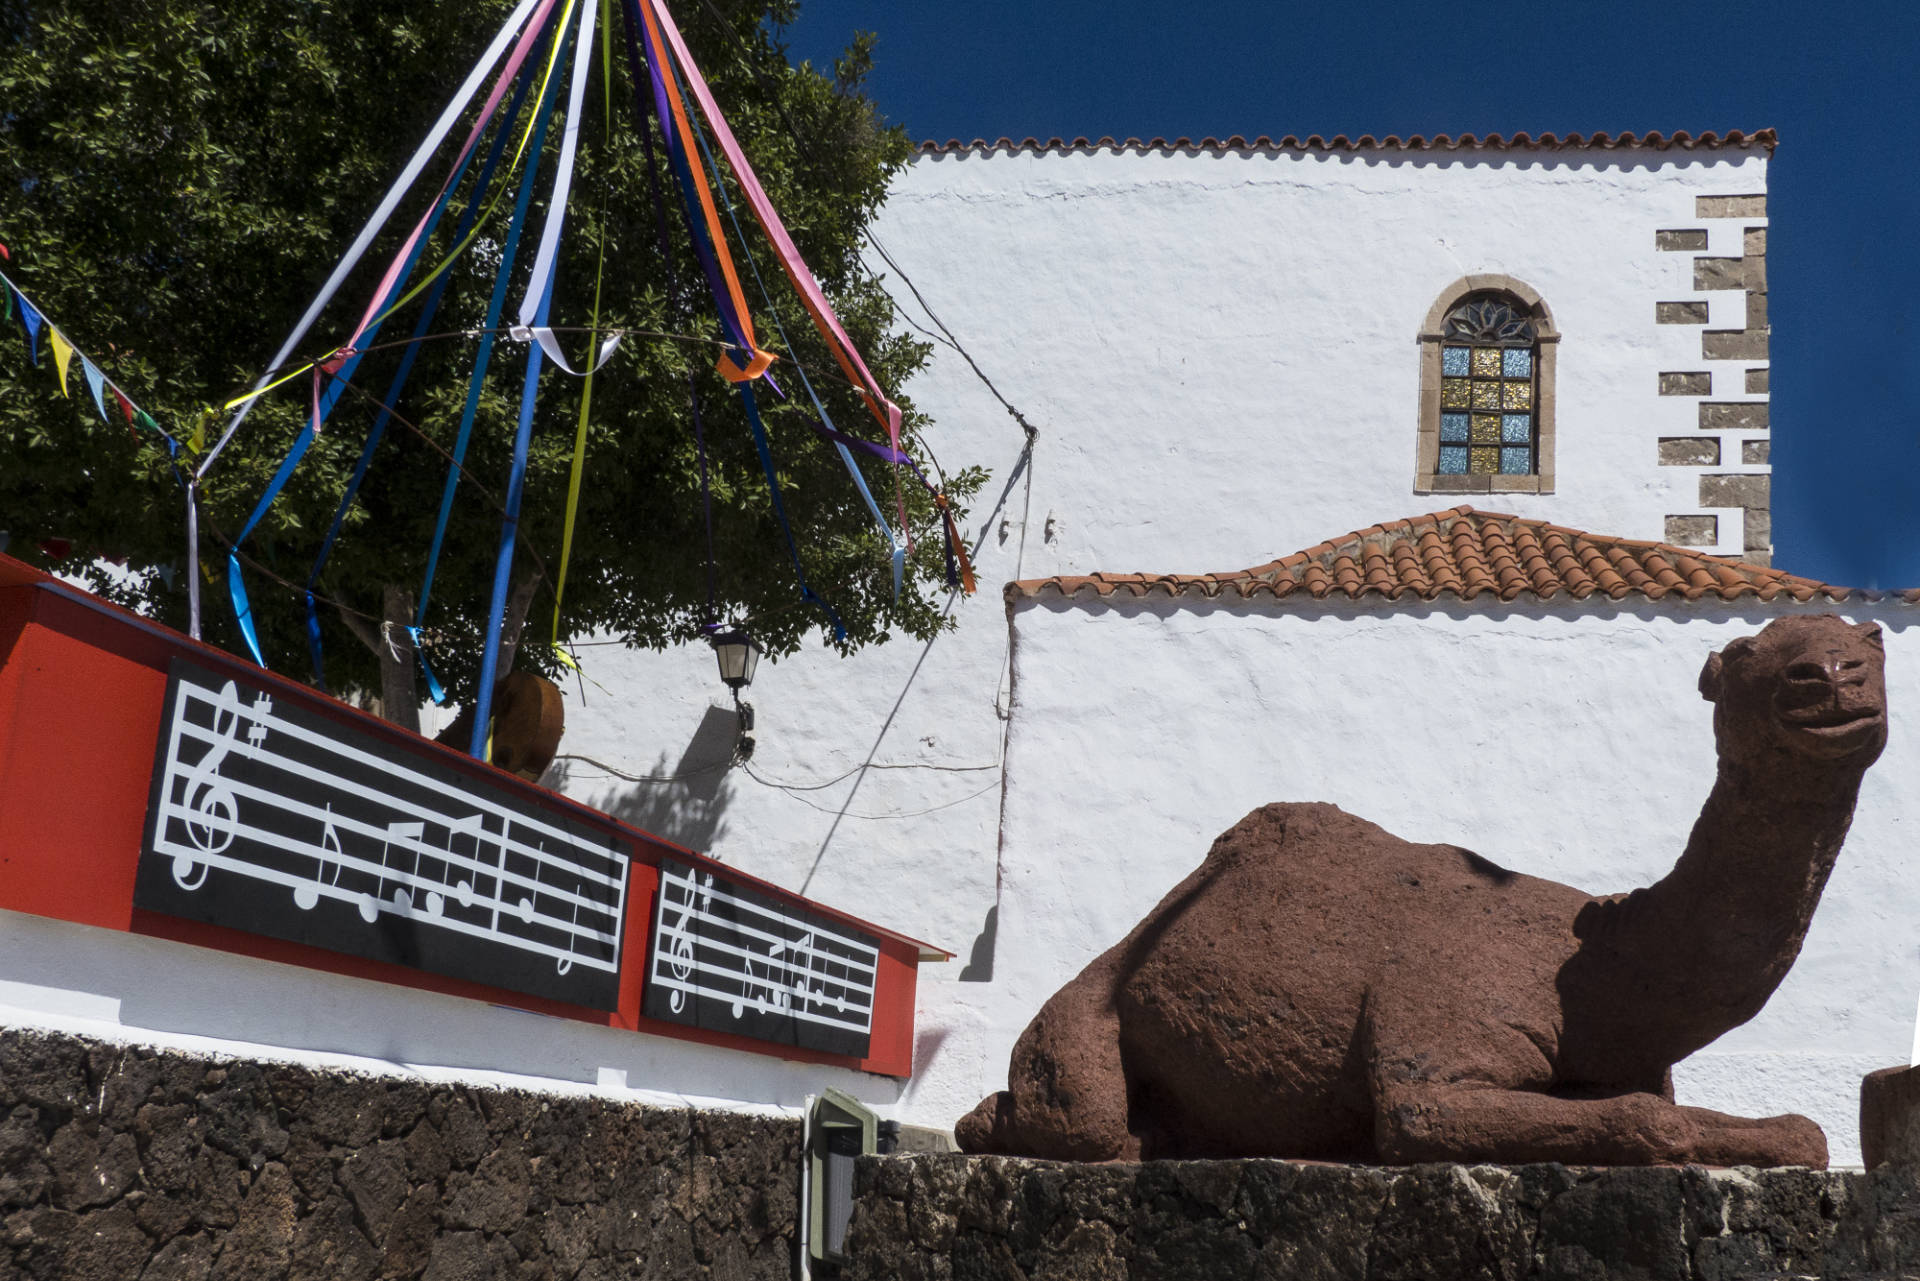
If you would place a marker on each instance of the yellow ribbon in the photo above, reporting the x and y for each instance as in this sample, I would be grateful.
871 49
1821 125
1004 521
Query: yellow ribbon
593 340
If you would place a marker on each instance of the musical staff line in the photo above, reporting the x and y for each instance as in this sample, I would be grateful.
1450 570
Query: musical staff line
439 869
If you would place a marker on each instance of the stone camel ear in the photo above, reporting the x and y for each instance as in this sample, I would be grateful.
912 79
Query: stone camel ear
1710 679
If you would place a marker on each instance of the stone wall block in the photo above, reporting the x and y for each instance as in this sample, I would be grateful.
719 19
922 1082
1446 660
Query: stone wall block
1738 415
260 1246
182 1258
375 1180
1690 239
329 1246
1689 451
1733 344
1753 206
106 1245
1698 383
1719 273
1735 491
1681 313
494 1197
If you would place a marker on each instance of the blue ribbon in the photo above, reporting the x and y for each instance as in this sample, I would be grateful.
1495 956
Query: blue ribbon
509 533
489 332
420 329
329 397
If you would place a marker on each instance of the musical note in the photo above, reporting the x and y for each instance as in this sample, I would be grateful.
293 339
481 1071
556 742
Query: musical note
306 896
562 964
474 825
754 983
207 795
405 830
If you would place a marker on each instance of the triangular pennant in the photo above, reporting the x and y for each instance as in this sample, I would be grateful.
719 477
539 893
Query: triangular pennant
146 420
31 318
126 406
62 354
97 384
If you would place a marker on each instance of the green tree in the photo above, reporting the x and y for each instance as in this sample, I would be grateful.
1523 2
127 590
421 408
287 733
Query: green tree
186 174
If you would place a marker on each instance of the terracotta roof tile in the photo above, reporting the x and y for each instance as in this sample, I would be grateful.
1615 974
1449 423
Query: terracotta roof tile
1653 140
1470 555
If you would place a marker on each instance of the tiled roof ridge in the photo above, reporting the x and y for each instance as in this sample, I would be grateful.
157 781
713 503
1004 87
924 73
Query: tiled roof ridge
1653 140
1470 555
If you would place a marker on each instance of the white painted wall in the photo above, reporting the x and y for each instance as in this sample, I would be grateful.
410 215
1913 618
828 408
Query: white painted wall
1565 741
1219 353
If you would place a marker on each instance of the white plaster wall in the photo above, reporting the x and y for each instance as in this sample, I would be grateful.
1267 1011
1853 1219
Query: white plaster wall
1218 351
1562 741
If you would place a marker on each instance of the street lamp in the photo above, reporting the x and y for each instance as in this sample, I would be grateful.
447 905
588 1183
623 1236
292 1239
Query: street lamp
738 654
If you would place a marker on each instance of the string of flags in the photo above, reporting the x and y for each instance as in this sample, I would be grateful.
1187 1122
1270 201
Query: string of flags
65 354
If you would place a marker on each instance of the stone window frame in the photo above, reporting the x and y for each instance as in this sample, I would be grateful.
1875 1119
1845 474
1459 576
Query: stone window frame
1426 468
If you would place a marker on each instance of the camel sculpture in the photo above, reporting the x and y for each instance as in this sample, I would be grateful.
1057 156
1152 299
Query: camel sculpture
1320 988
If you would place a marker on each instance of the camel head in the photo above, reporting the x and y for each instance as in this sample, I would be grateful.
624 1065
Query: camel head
1812 686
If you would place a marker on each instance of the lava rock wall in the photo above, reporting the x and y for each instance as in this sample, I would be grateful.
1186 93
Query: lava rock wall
958 1218
118 1162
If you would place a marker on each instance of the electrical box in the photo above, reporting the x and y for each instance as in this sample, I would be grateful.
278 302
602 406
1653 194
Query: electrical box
840 1130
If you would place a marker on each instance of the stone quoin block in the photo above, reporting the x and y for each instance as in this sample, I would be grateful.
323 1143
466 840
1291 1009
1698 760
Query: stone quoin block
1735 491
1758 381
1692 238
1680 313
1734 415
1686 384
1756 451
1693 531
1730 206
1689 451
1733 344
1719 273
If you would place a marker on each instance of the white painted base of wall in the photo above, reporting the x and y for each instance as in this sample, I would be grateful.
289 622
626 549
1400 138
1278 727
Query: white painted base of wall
58 976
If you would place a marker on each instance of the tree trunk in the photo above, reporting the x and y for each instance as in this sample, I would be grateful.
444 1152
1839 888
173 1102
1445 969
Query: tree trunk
399 697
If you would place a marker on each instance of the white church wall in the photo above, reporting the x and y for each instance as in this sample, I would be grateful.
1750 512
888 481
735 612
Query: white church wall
1219 353
1564 741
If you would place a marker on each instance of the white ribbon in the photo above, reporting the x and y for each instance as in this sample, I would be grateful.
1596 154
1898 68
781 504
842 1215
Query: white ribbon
563 177
462 98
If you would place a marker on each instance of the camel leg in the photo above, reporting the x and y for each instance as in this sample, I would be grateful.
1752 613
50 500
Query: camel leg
1467 1088
1417 1123
1067 1090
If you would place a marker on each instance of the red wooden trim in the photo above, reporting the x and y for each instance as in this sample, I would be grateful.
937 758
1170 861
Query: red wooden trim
82 684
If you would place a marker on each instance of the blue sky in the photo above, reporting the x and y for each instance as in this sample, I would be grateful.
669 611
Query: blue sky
1837 81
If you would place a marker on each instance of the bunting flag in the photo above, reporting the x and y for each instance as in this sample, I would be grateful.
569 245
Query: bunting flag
96 384
31 318
62 353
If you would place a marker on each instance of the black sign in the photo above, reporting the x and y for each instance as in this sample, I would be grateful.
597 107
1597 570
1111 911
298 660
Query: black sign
730 958
273 819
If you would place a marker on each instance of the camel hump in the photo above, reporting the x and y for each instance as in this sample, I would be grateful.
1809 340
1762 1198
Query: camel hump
1272 828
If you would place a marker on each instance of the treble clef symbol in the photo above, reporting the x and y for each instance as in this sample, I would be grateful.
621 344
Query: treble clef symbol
681 952
215 811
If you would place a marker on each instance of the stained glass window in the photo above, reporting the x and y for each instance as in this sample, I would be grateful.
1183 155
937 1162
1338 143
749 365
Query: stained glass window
1487 368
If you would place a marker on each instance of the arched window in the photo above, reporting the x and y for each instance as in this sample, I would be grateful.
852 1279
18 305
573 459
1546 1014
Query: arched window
1486 391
